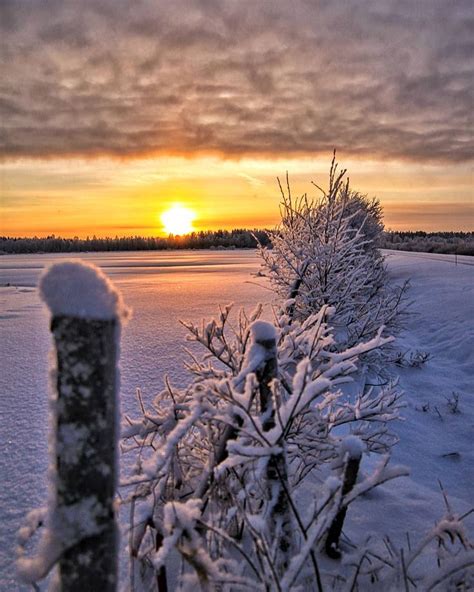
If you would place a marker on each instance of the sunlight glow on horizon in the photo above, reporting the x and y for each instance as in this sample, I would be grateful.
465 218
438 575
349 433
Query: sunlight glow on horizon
178 220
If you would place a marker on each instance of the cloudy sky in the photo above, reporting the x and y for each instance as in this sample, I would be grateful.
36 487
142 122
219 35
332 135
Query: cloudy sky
113 110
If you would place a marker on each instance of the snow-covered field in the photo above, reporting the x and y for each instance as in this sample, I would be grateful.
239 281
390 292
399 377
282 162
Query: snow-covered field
437 432
436 436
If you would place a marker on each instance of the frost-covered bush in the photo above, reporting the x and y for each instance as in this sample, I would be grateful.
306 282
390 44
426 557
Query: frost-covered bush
324 252
222 463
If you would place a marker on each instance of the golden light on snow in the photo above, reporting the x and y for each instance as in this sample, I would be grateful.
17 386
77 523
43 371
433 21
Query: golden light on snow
178 220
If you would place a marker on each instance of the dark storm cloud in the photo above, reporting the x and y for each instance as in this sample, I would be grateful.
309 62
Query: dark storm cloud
374 78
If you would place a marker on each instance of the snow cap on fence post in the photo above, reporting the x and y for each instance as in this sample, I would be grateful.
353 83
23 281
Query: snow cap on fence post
86 311
263 331
79 289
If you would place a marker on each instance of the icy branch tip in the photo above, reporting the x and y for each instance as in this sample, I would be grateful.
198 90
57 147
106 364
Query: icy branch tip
263 331
78 289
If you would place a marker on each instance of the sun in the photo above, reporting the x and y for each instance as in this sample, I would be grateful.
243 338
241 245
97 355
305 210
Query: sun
178 220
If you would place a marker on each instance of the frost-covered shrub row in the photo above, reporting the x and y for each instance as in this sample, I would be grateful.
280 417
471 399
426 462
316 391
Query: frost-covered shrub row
239 475
222 463
324 252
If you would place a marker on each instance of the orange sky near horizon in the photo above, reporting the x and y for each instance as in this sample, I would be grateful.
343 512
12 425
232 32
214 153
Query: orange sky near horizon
109 197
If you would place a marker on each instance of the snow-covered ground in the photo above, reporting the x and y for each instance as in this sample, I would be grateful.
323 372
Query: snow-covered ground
437 431
435 438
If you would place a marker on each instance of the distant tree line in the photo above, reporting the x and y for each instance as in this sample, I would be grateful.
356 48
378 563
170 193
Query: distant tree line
461 243
227 239
428 242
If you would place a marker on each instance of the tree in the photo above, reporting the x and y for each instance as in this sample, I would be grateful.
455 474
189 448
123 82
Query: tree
324 252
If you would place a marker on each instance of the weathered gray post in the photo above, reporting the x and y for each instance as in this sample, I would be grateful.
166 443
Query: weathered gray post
351 453
86 312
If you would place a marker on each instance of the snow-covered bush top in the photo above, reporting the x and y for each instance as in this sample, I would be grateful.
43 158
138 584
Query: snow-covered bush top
324 252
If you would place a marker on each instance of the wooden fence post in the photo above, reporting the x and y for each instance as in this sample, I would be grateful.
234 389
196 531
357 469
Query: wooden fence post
264 336
351 450
86 311
267 372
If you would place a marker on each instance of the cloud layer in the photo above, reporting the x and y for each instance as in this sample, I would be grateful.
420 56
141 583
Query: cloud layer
375 78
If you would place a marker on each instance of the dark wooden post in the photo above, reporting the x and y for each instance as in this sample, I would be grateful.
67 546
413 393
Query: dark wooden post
267 372
264 336
353 454
86 312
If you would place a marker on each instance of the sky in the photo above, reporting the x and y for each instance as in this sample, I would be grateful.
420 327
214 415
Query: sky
114 111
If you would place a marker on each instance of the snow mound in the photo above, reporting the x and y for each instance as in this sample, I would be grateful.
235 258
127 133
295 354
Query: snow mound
78 289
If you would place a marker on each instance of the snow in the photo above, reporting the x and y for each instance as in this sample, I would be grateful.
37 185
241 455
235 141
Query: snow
352 446
435 441
263 334
435 435
464 562
178 517
263 331
65 526
79 289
